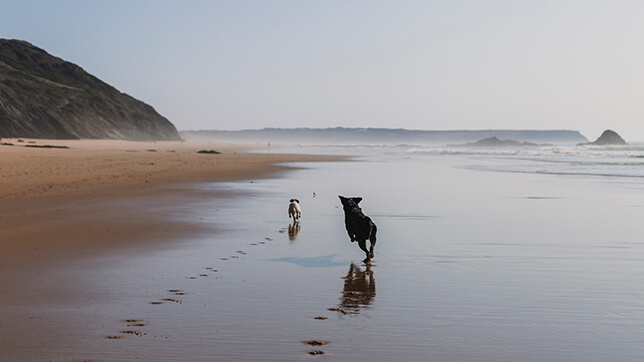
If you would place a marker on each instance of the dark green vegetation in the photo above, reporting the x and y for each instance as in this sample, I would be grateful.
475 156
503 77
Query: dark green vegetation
42 96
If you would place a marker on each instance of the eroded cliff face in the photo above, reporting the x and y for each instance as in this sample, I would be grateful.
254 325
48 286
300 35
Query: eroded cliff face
42 96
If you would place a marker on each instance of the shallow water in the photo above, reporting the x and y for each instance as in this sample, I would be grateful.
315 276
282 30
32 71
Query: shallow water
471 264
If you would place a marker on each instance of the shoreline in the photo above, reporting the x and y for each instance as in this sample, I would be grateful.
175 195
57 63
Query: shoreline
47 192
64 209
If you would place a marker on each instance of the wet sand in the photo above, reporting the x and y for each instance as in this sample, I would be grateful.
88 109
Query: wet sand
470 265
62 209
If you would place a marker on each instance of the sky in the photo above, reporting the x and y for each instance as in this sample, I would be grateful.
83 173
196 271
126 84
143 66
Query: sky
430 65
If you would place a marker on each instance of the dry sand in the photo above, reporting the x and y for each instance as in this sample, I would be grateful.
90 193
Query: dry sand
49 192
54 208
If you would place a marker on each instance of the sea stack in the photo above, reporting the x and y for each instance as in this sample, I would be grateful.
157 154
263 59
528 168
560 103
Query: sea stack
608 138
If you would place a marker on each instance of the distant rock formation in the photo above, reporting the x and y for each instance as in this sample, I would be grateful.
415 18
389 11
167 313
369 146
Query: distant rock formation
380 136
495 142
42 96
608 138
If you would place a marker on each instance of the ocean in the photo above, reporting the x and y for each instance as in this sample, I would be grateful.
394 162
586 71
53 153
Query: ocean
531 254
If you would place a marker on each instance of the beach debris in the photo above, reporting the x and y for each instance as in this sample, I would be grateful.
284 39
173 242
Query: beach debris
156 303
210 152
316 352
113 337
46 146
321 318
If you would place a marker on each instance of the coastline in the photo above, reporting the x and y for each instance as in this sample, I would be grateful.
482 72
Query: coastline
47 193
65 206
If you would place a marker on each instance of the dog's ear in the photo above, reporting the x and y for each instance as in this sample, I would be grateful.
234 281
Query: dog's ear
296 200
342 198
357 199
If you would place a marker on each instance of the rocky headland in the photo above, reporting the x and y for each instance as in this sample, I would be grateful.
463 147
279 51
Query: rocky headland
42 96
608 138
495 142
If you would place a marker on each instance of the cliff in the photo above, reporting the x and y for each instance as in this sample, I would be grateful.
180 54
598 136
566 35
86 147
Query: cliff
42 96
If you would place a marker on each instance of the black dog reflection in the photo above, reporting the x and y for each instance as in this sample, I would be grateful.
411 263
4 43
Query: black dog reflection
294 231
359 289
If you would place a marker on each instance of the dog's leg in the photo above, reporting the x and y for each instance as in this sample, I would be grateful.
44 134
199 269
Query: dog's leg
372 239
351 235
363 246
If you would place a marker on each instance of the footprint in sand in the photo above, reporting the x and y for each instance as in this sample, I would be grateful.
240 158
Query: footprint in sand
136 333
172 300
130 323
176 291
316 344
339 310
135 322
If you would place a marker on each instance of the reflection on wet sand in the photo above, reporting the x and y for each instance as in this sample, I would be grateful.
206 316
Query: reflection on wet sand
359 289
294 231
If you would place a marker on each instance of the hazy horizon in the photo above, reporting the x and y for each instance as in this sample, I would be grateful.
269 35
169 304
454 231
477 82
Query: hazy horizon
431 65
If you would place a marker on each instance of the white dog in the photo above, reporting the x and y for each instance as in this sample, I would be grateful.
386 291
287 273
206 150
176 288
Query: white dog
294 210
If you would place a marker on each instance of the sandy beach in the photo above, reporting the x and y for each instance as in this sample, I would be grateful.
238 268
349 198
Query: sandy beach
77 199
481 256
43 189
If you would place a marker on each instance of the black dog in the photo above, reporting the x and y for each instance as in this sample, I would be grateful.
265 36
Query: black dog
359 226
